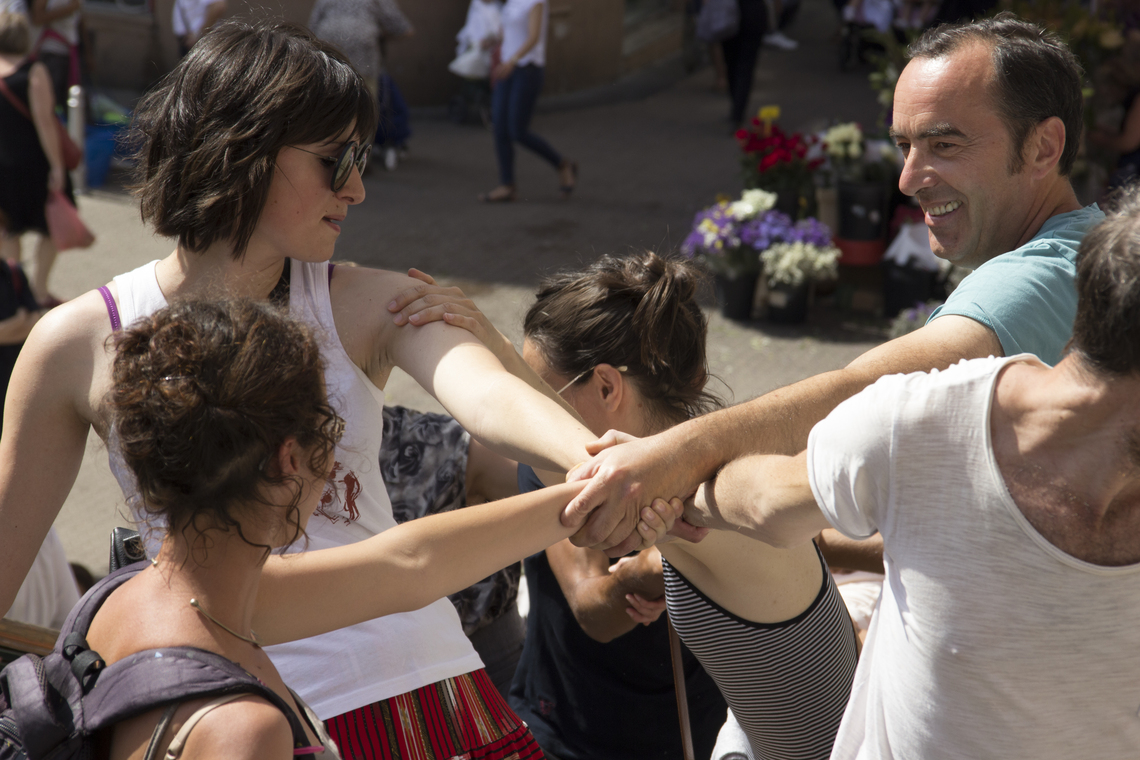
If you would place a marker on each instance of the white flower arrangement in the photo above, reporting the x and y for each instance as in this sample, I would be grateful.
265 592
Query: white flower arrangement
752 203
844 142
792 264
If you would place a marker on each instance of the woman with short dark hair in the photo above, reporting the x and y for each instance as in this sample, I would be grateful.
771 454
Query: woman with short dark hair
249 155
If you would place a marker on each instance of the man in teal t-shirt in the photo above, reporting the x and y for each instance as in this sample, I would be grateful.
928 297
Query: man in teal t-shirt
1026 297
988 118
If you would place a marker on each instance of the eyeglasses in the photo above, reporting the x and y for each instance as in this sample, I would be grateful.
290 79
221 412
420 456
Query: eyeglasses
352 153
587 372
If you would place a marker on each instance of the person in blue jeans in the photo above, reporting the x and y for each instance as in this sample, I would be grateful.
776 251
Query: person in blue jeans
518 80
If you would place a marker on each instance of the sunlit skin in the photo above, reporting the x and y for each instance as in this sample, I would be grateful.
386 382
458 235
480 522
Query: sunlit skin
958 155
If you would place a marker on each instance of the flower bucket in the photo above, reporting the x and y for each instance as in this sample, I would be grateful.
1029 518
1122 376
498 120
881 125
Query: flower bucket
788 304
860 253
904 286
827 203
735 293
862 210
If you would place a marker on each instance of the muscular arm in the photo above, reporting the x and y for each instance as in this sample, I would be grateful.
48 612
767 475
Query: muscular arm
676 461
595 595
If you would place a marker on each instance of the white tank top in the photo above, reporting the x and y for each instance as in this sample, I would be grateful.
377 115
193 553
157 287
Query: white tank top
339 671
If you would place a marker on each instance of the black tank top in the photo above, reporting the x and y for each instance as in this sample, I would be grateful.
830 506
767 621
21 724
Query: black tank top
584 700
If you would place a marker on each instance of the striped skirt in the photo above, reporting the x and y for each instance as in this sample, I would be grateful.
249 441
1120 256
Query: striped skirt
462 718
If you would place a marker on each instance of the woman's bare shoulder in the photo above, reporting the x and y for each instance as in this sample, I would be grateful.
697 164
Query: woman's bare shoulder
67 354
81 320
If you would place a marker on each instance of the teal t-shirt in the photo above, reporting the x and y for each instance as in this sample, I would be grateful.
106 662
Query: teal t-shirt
1028 296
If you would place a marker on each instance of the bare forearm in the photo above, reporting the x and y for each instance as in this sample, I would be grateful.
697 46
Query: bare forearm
42 106
512 420
597 596
408 566
600 608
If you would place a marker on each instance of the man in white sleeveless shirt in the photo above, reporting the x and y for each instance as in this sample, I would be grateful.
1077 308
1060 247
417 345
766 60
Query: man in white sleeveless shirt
1007 494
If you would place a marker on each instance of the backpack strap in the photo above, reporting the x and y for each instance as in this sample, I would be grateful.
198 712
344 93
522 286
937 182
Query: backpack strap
157 677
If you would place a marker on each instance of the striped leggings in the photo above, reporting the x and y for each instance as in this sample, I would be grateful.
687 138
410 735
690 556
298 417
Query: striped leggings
463 717
787 683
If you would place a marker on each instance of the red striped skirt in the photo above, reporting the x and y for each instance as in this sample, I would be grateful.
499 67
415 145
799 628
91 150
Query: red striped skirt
462 718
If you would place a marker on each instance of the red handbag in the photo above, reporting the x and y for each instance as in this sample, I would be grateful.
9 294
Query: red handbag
72 153
65 228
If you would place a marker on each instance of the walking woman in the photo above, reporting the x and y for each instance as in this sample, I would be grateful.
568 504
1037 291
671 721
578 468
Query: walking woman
254 186
222 417
31 158
518 80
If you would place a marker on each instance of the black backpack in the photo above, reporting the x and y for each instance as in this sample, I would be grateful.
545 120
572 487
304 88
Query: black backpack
52 707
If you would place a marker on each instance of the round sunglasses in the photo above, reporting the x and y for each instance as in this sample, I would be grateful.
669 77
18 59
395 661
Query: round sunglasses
352 153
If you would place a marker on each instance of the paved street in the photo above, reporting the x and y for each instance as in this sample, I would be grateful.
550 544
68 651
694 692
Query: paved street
647 164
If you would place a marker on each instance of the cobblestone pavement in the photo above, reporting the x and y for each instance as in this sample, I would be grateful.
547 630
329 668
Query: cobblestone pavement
648 162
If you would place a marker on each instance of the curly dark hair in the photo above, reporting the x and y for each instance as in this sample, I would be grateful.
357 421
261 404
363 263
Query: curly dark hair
205 392
1036 77
638 311
208 134
1106 331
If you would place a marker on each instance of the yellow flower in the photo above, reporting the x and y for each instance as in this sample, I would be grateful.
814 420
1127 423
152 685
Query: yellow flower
769 113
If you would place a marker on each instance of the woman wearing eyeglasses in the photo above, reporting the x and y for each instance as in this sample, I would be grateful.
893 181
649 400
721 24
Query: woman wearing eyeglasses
249 156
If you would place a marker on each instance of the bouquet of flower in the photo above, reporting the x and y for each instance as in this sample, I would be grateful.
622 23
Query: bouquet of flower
804 252
716 236
844 146
774 160
732 237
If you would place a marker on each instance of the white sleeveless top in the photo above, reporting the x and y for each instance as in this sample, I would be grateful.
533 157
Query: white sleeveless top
356 666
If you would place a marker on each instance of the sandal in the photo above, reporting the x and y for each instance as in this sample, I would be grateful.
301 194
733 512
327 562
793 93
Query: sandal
566 190
501 194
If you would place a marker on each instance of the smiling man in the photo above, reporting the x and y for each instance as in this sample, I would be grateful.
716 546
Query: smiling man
988 118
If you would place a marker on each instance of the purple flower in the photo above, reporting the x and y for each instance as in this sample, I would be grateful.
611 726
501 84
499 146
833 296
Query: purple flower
812 231
768 228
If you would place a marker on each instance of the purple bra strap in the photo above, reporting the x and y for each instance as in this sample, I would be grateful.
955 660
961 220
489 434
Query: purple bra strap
332 266
112 309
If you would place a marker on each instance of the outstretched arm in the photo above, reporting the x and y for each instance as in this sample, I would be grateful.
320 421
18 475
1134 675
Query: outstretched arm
765 497
502 411
409 566
673 463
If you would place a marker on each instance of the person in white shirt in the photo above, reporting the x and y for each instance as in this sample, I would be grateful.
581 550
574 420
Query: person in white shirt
192 18
517 82
1007 494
